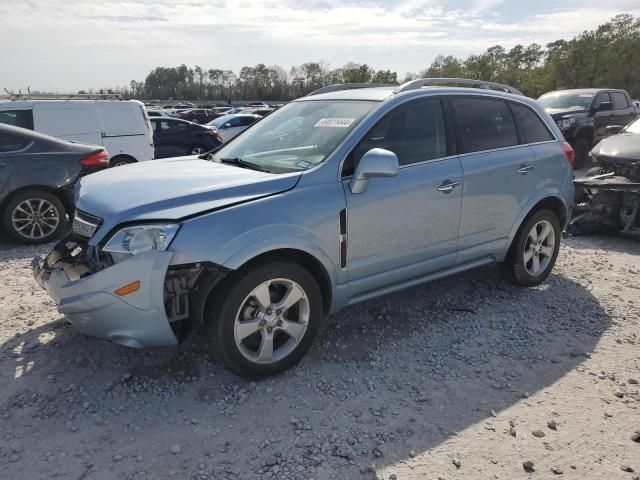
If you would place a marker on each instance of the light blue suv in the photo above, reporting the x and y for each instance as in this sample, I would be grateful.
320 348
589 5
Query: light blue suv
336 198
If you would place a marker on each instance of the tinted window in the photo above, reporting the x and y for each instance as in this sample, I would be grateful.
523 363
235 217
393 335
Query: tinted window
10 142
414 132
619 101
601 98
485 124
530 127
19 118
172 127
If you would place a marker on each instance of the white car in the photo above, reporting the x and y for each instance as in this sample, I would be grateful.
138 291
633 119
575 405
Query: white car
121 126
231 125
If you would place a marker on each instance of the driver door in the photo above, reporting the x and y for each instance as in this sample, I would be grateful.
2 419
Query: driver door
405 226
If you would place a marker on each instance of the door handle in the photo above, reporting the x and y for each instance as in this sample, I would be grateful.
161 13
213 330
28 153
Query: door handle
524 169
448 186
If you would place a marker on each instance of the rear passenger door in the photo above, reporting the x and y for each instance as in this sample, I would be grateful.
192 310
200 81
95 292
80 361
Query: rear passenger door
499 174
623 111
405 226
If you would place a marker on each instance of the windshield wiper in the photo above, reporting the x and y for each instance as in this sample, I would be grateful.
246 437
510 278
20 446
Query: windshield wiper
238 162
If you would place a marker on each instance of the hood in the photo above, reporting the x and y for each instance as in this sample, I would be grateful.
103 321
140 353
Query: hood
624 147
172 189
557 114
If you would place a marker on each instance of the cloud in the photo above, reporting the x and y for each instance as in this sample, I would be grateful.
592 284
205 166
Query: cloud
71 44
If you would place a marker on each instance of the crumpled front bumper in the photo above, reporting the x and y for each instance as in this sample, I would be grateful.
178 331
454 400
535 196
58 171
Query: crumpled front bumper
88 299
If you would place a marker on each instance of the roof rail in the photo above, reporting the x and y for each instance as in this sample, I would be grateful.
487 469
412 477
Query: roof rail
345 86
466 82
63 96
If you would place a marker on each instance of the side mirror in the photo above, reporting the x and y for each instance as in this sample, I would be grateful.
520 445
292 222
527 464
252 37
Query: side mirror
605 106
375 163
612 130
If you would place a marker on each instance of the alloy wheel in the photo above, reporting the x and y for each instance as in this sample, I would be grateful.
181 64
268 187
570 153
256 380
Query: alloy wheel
539 248
35 218
272 321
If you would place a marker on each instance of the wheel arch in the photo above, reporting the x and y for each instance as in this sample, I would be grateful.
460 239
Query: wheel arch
302 258
66 200
549 202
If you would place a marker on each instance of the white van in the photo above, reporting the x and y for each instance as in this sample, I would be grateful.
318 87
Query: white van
122 126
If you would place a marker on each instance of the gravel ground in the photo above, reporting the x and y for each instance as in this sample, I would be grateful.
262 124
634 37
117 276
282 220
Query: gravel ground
466 377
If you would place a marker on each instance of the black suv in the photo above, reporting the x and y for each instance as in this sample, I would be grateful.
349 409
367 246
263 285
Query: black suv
583 115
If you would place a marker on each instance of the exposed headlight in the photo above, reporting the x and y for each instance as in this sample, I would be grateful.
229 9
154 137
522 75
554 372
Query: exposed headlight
140 238
566 123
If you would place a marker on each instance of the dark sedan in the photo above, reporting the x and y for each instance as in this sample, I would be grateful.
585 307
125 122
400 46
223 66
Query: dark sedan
173 137
37 175
199 115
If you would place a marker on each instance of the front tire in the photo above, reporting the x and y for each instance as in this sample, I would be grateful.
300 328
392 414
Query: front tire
34 217
263 321
198 150
534 250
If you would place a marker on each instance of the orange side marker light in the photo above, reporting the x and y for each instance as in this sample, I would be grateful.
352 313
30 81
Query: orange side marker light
128 288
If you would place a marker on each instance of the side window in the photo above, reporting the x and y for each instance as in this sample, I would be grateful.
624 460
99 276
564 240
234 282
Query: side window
530 127
485 124
10 142
600 98
173 127
19 118
415 132
246 121
155 125
619 101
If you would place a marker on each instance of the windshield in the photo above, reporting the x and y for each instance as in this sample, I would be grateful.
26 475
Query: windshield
298 136
633 127
566 101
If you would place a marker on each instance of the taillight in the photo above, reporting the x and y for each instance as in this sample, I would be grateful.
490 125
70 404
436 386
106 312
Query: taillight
97 159
571 155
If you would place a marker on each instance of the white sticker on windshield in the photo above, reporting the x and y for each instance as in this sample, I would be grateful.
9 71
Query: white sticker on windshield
585 95
335 122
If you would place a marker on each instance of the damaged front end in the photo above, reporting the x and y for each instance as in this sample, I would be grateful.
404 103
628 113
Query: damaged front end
166 304
609 202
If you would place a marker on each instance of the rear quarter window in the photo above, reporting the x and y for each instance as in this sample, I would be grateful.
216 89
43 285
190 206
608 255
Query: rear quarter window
18 118
10 142
530 126
619 100
485 124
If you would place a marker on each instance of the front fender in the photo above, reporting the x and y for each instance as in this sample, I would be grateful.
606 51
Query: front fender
296 239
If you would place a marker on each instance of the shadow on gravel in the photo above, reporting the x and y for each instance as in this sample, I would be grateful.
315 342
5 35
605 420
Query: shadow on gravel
386 379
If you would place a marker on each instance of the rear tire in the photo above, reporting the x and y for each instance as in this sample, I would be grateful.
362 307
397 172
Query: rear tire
121 160
34 216
262 321
581 148
534 250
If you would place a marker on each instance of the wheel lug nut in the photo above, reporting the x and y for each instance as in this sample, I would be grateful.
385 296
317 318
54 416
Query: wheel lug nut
269 329
278 312
268 311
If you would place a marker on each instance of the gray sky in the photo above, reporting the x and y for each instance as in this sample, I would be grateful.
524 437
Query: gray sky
66 45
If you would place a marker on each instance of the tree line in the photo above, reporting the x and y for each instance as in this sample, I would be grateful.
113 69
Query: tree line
608 56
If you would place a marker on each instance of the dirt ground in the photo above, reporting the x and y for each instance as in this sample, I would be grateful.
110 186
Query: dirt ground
467 377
